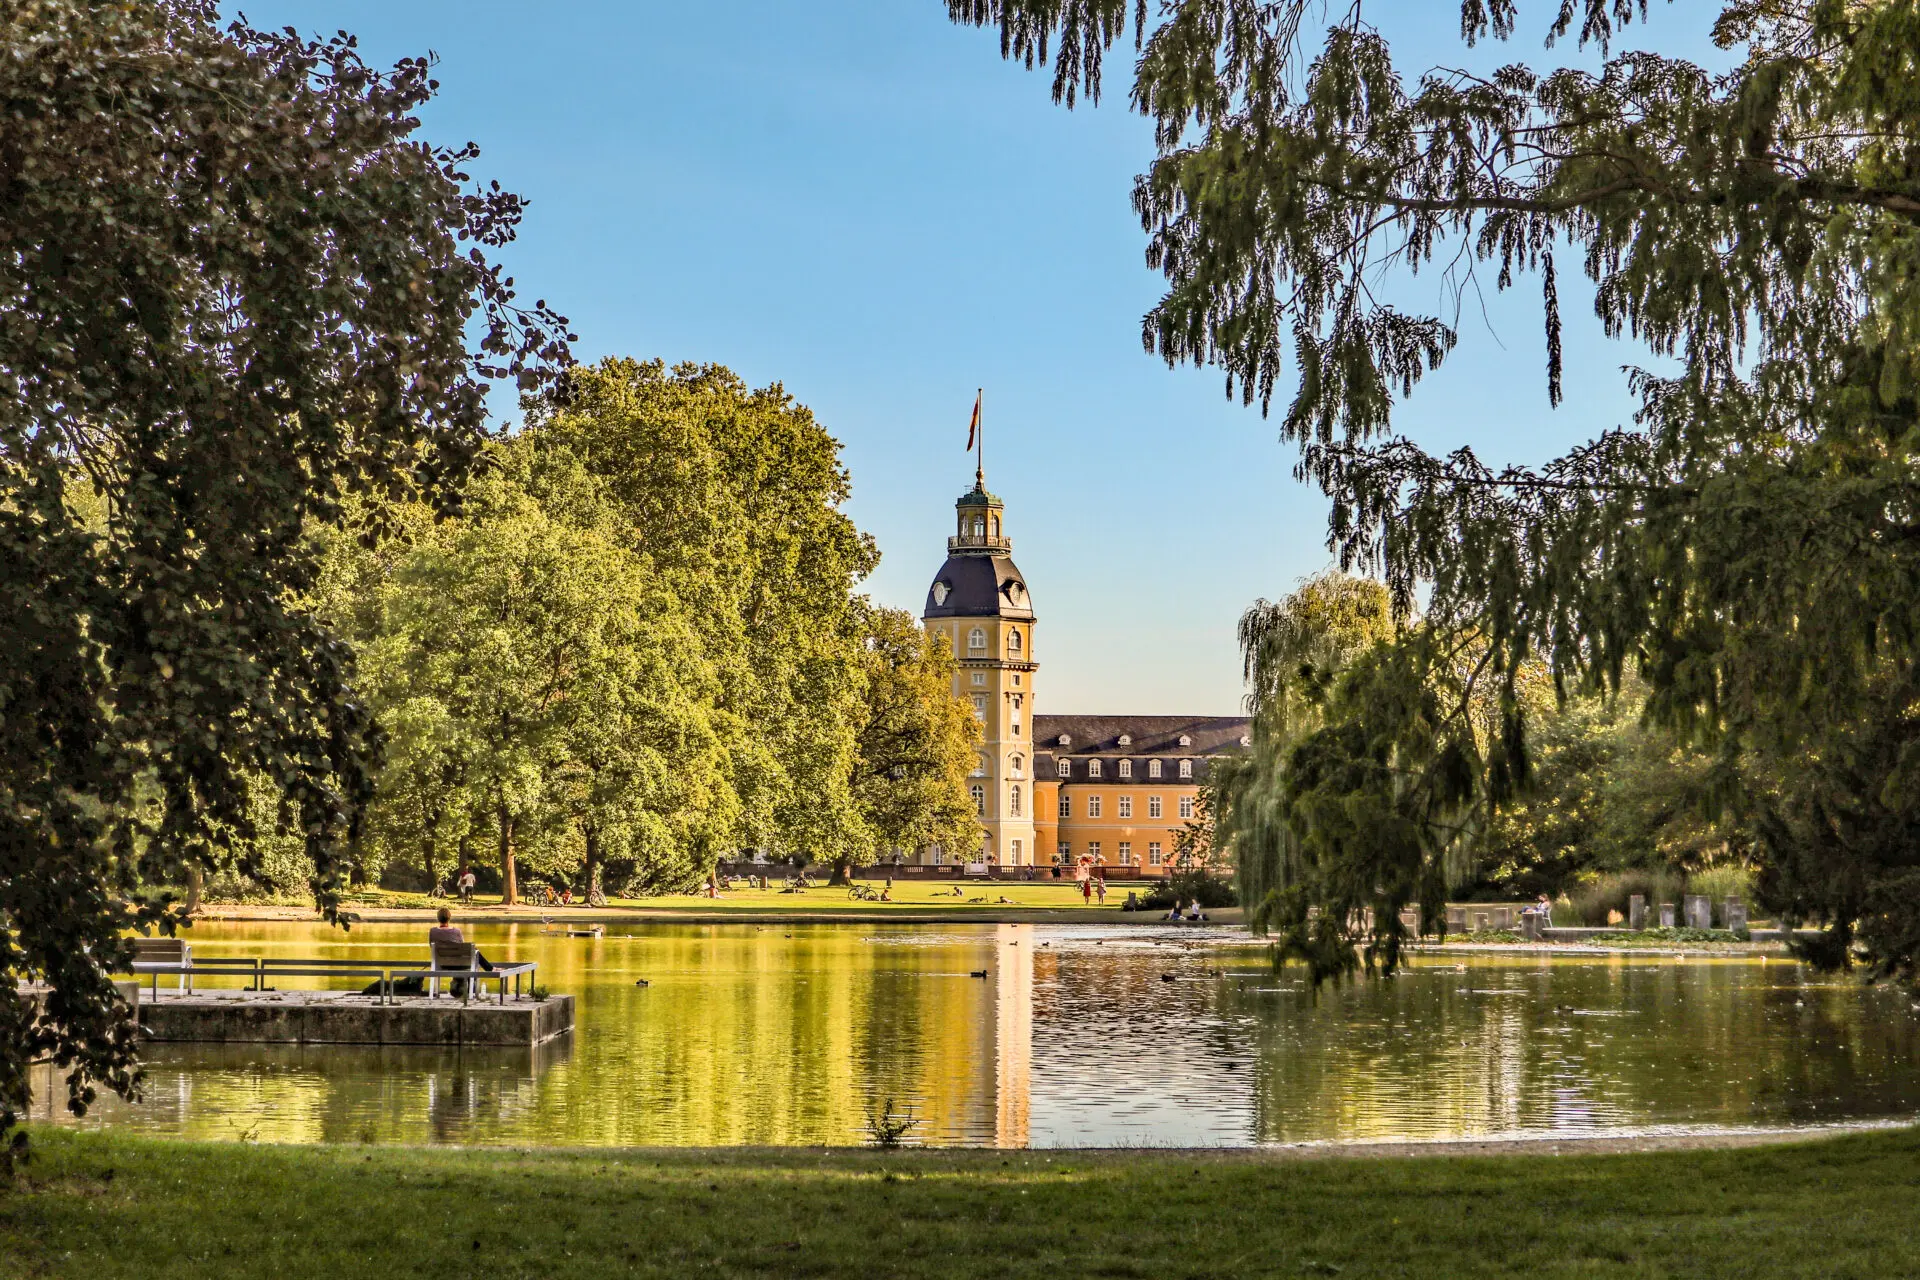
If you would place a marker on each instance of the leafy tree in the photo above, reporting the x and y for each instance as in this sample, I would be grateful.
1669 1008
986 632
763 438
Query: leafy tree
733 496
917 743
237 291
1746 545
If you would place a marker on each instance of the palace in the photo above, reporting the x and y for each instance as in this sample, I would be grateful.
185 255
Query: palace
1055 789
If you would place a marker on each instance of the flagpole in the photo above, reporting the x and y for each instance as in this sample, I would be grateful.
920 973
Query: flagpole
980 458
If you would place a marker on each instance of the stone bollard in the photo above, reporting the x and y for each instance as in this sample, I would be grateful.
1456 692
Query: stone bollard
1666 915
1699 911
1637 912
1735 913
1530 925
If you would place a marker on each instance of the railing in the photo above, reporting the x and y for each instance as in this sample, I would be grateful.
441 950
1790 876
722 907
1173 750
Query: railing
978 542
257 969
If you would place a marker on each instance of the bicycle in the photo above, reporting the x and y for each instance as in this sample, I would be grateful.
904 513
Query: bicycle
863 893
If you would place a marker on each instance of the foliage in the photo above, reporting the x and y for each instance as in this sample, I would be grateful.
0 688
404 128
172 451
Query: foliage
238 291
917 742
1745 546
1187 886
733 496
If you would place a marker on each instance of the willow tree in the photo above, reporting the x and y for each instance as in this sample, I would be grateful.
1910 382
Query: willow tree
236 288
1748 544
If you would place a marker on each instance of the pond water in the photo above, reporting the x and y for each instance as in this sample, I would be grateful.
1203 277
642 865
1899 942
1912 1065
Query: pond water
1078 1036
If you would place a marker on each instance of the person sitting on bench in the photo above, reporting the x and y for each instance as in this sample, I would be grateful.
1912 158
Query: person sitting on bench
448 931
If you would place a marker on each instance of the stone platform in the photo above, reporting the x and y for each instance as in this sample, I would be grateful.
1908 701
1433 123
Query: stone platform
346 1017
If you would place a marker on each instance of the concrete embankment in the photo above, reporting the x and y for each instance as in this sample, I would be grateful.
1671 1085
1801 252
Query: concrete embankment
337 1017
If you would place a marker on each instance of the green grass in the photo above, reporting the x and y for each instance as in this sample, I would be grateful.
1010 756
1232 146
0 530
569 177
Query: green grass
101 1207
908 896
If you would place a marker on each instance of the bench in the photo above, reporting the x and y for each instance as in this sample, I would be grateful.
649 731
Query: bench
460 962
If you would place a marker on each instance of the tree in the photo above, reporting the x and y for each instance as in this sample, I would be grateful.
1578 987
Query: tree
237 290
1747 545
916 746
733 496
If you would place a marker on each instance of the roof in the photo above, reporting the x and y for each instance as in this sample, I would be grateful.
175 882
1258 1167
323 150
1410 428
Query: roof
978 586
1150 735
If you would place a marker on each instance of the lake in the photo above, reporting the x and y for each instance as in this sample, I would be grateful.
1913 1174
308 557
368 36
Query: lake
1078 1036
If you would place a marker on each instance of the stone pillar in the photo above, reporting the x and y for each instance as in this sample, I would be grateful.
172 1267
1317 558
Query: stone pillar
1735 913
1699 911
1637 912
1530 926
1666 915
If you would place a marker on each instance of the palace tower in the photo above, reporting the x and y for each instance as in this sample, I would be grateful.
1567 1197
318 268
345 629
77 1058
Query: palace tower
979 603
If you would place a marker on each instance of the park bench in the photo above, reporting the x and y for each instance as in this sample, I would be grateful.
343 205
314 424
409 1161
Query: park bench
460 962
156 956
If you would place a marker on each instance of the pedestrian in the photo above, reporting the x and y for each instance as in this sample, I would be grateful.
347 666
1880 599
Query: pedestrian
1100 889
466 882
1086 890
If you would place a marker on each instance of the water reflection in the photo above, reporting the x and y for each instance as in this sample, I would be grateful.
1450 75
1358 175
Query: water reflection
1075 1036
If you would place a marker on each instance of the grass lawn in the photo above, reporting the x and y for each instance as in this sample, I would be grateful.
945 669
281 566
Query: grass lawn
101 1207
988 900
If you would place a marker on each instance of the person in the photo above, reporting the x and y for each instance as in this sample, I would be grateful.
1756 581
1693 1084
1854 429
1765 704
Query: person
1174 912
448 931
1086 890
1543 908
1193 910
1100 889
466 883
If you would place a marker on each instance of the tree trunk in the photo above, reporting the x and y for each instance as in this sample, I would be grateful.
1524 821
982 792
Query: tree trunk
842 871
509 887
593 864
196 885
426 854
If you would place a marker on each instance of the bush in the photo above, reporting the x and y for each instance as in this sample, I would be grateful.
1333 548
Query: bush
1188 886
1721 883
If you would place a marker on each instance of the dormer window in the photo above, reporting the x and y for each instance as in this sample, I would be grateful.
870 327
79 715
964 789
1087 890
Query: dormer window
1126 768
1066 740
1126 740
1093 768
1066 768
1153 768
1185 741
1186 768
1245 741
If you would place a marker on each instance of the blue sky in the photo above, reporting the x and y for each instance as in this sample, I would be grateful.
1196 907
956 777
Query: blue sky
861 201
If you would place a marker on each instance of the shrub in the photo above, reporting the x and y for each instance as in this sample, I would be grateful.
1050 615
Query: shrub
1187 886
1592 900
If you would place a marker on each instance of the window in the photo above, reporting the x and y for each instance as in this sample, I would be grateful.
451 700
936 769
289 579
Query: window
1017 767
977 638
979 794
1126 739
979 706
1093 768
1126 806
979 767
1186 806
1186 768
1185 741
1126 853
1153 768
1153 853
1066 806
1064 853
1093 806
1013 642
1093 850
1066 770
1013 801
939 856
979 679
1153 806
1126 768
1015 855
979 526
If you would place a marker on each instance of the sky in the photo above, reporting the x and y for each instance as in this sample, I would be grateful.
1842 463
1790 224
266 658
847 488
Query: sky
861 201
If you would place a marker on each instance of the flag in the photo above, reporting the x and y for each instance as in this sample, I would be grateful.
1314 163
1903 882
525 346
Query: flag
973 428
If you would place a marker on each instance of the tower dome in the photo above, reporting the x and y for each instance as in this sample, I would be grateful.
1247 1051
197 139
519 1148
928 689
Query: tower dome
979 578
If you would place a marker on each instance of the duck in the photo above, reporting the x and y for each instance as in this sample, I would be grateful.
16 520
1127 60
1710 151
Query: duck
978 973
641 982
1167 977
